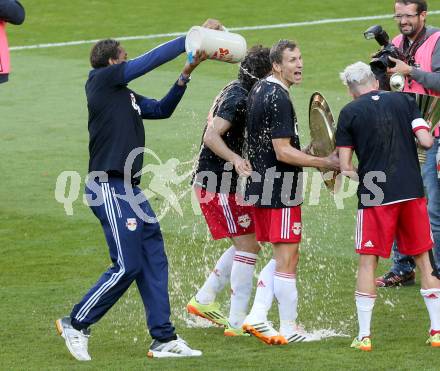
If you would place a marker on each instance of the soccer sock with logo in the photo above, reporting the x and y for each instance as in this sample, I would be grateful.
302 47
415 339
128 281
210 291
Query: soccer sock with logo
242 273
284 287
432 301
218 278
264 294
364 305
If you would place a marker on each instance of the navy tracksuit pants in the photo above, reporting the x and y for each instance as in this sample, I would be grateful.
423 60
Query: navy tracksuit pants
137 251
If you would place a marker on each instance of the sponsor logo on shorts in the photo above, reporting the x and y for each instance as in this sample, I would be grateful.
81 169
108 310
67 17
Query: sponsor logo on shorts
131 224
368 244
244 220
296 229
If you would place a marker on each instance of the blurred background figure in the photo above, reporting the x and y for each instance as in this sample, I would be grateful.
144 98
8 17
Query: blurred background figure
11 11
421 48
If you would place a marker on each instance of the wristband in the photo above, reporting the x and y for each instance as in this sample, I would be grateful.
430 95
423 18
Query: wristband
186 80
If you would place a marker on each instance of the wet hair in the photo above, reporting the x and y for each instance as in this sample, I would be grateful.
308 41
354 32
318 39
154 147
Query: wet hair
276 52
255 66
422 6
102 51
356 75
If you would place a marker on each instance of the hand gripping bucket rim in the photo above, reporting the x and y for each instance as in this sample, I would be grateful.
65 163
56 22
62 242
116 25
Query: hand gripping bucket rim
219 45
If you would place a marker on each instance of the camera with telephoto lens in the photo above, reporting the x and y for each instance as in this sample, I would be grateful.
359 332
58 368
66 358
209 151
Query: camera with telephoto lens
380 61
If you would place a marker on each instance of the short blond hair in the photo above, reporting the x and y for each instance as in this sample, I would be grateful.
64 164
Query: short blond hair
357 74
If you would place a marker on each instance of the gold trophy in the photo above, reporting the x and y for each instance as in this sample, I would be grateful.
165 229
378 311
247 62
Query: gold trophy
322 134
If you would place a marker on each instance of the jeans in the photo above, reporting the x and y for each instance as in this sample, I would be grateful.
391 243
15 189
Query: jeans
403 264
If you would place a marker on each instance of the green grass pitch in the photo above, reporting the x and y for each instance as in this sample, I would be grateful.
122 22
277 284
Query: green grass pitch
49 260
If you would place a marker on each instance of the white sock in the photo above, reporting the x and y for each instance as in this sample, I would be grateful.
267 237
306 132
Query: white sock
217 279
264 294
432 301
364 305
285 291
242 273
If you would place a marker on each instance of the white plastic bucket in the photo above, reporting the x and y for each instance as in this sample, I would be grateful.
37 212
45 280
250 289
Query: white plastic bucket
219 45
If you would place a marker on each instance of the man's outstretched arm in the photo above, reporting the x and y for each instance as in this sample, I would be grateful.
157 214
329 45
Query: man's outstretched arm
161 109
153 109
161 54
153 58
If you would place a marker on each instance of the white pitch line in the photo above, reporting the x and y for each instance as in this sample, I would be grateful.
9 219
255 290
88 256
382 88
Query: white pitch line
244 28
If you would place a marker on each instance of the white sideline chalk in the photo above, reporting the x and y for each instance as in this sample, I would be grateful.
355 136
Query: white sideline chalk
244 28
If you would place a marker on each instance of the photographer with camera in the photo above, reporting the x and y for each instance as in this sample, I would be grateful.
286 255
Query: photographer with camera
420 47
420 66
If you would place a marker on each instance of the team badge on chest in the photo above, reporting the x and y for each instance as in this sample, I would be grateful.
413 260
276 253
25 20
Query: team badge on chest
244 220
131 224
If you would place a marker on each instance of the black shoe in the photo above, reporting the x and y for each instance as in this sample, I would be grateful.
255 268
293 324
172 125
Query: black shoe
392 279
